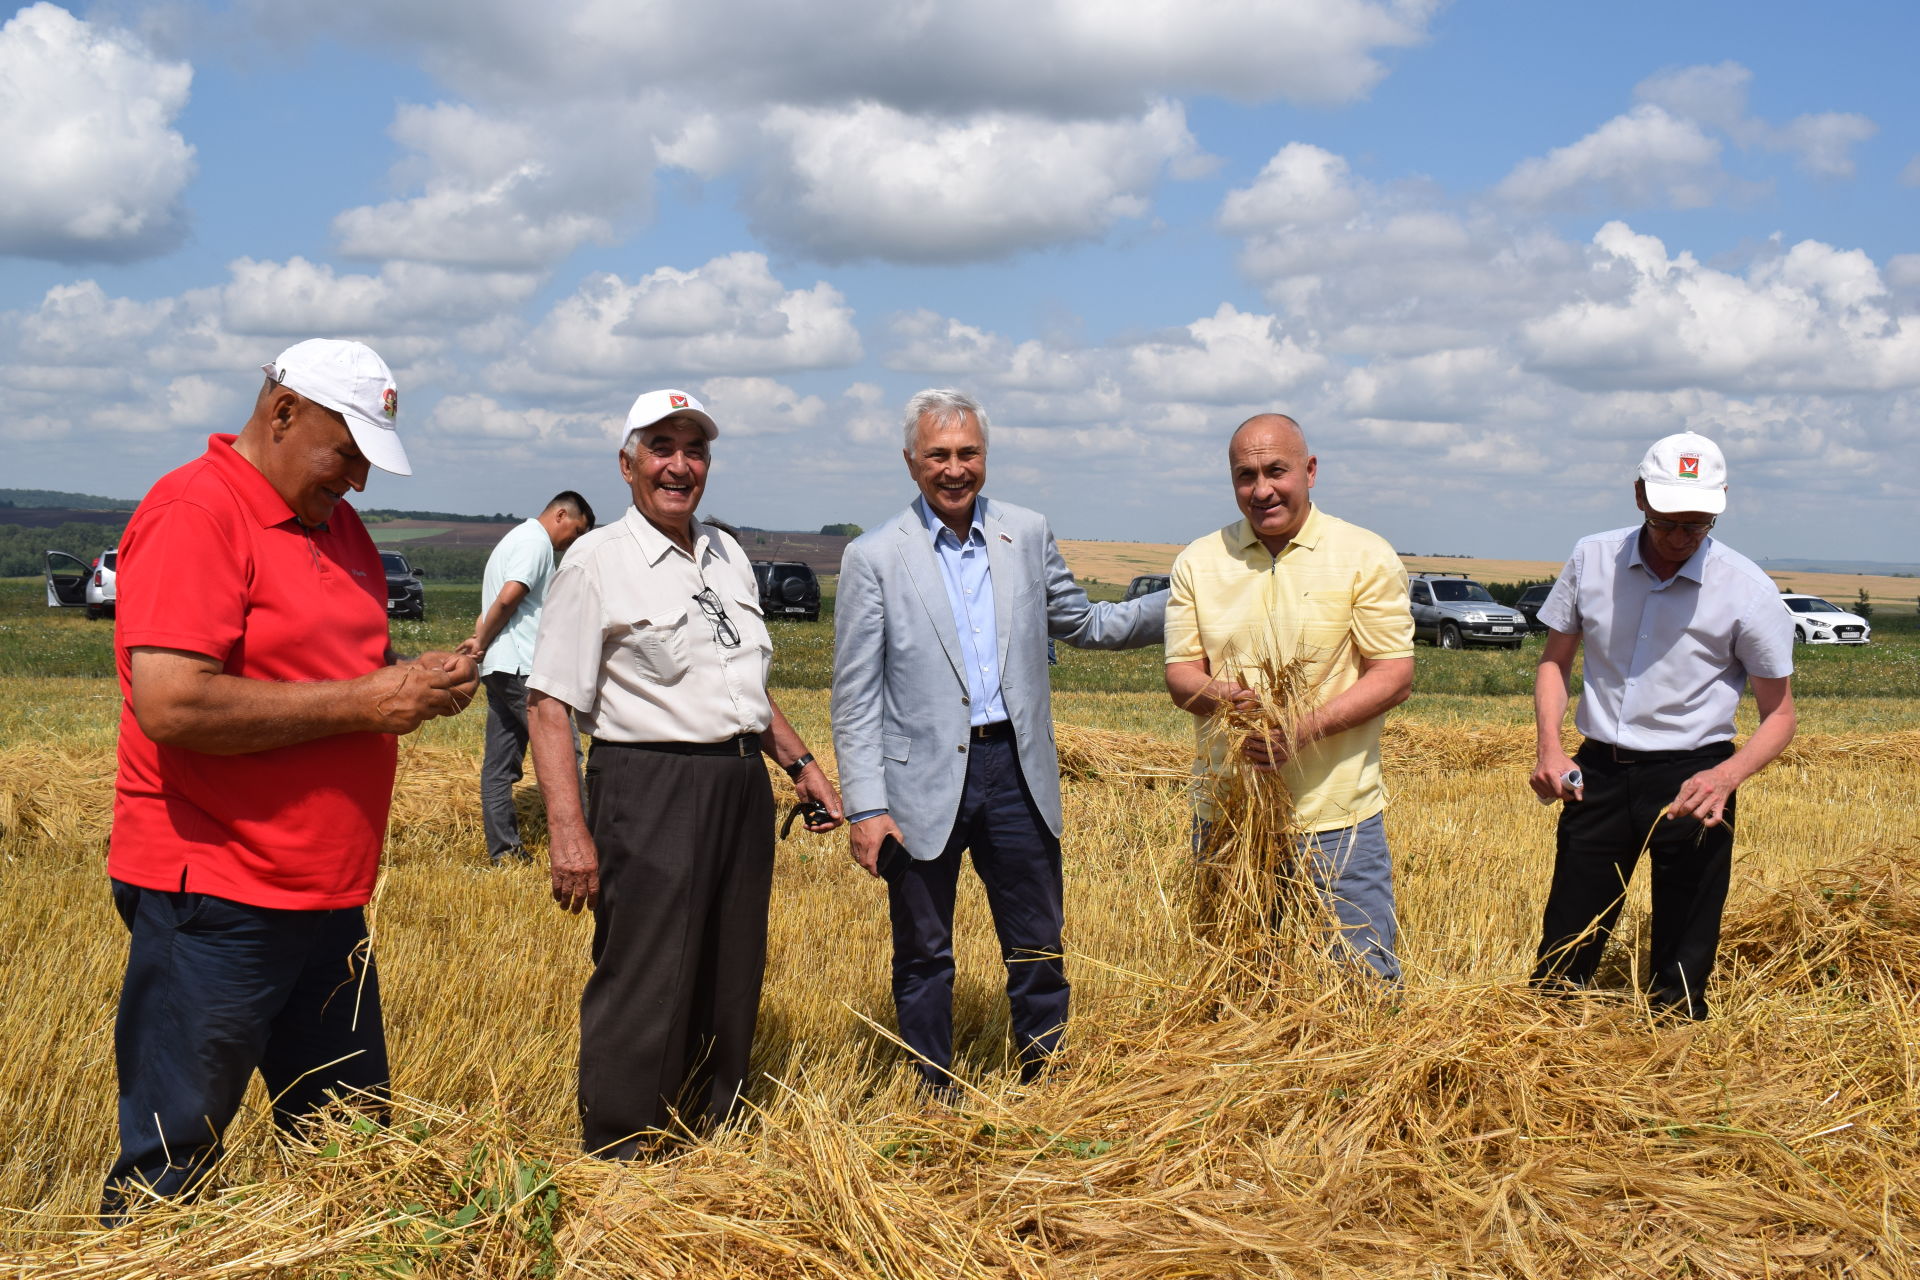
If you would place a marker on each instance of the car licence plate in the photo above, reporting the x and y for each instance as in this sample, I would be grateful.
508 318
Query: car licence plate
1503 631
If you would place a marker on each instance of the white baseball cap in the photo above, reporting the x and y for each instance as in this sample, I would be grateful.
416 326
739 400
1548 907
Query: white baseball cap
1685 472
350 379
655 405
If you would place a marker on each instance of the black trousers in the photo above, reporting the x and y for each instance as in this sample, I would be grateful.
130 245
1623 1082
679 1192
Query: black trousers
679 942
1597 847
214 990
1018 861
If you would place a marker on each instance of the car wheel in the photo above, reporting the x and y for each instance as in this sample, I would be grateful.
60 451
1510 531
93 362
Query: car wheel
1799 636
1450 637
93 613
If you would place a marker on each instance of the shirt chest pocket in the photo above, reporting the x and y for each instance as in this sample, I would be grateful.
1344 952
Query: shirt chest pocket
657 647
749 622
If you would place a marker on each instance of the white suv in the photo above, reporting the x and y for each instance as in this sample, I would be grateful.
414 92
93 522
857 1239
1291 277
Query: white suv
1817 622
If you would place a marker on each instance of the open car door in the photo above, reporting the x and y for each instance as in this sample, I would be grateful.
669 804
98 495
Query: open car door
67 581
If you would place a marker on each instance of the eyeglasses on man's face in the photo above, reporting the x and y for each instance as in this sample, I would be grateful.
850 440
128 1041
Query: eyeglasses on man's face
724 633
1691 528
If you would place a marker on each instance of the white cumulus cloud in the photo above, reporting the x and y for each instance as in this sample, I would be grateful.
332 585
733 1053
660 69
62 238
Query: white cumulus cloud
1645 157
94 167
1813 318
870 181
730 316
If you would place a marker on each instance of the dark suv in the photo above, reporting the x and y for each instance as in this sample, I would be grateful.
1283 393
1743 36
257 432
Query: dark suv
1146 584
1529 604
788 589
406 597
1453 611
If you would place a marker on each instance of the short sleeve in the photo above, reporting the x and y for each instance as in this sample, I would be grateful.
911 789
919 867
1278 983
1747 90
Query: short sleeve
1183 619
182 582
1561 611
567 651
1382 615
529 561
1764 644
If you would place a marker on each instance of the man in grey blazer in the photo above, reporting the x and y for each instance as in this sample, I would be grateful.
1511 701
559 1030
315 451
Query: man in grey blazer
942 720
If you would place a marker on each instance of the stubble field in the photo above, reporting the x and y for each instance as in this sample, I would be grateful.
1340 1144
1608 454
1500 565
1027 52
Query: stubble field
1459 1128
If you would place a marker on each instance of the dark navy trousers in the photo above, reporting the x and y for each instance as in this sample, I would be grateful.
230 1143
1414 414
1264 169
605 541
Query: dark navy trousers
1018 861
216 990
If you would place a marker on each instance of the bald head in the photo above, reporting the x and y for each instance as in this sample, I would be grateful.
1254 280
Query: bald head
1272 474
1276 428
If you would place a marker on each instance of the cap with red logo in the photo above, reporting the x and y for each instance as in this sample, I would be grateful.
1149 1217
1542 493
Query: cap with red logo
1685 472
655 405
348 378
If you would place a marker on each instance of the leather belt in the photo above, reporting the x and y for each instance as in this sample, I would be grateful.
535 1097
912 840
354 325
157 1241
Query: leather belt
1625 755
747 744
990 732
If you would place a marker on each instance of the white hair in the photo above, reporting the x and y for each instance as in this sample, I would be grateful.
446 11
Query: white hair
943 405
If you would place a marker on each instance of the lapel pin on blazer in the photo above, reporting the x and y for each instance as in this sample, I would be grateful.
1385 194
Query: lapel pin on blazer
1004 538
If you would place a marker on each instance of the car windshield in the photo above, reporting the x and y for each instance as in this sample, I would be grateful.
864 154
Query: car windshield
394 562
1449 590
1536 593
792 572
1810 604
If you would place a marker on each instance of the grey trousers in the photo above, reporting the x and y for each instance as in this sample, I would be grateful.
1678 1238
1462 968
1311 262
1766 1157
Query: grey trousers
679 942
1353 871
504 762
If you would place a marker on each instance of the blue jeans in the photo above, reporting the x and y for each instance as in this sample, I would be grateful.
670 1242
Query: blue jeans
1353 871
215 990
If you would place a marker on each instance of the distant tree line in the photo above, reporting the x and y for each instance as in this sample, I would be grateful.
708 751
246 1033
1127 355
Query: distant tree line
1508 593
378 515
841 530
23 548
56 498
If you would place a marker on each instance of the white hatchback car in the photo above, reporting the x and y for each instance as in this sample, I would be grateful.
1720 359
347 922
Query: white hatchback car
1817 622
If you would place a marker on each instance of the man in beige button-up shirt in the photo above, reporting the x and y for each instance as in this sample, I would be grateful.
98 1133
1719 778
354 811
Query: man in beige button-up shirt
652 634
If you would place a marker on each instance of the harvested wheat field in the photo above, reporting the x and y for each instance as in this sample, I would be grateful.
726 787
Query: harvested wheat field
1308 1124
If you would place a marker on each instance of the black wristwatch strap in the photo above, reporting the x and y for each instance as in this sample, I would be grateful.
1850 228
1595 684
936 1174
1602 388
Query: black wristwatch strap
799 766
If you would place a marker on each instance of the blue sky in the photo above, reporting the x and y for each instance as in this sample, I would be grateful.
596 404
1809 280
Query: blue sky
1486 253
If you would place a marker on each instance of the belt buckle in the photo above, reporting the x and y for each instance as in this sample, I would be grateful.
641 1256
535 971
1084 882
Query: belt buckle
741 743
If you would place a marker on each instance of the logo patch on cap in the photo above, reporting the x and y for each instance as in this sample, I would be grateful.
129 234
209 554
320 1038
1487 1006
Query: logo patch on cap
390 402
678 402
1689 468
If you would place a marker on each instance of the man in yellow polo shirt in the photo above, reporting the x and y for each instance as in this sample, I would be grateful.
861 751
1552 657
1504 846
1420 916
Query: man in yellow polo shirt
1289 582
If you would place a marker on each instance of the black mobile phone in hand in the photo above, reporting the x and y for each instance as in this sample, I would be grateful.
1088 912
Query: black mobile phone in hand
892 859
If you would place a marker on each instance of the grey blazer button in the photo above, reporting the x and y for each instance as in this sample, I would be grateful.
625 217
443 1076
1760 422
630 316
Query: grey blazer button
962 748
965 701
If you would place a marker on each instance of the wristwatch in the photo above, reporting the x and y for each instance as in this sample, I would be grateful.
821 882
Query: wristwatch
799 766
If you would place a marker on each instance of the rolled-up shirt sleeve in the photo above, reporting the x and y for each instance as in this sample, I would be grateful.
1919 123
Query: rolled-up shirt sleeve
569 651
1382 616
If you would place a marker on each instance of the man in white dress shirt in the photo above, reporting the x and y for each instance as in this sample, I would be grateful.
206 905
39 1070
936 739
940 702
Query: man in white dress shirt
1675 626
652 634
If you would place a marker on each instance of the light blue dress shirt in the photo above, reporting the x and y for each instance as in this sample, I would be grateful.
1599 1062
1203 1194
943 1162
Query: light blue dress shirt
963 566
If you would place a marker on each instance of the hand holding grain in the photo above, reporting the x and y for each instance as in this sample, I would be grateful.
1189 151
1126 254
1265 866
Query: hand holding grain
1704 796
406 695
461 667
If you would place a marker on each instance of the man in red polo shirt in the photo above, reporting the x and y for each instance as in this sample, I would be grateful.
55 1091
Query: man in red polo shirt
256 760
